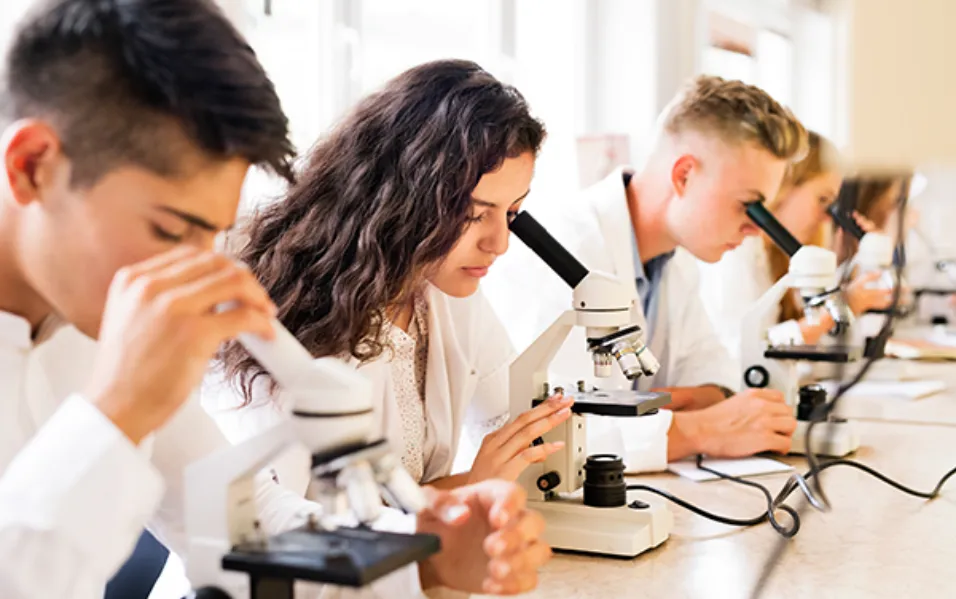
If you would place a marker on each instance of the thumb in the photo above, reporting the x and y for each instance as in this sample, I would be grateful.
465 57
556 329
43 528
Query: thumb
445 506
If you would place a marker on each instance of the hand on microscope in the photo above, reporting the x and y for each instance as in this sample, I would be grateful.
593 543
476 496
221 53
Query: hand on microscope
491 543
159 331
862 296
506 452
750 422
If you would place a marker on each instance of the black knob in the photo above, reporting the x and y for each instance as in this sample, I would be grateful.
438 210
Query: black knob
604 484
209 593
939 320
811 396
549 481
757 377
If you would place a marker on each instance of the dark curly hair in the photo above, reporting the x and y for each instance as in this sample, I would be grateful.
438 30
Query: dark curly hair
383 199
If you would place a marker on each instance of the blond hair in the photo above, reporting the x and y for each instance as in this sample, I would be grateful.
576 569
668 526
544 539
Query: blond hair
736 113
821 158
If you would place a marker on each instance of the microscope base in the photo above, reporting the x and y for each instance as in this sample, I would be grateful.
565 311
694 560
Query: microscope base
617 531
833 439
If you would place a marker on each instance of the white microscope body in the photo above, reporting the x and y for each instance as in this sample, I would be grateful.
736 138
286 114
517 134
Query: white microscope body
813 272
602 305
333 417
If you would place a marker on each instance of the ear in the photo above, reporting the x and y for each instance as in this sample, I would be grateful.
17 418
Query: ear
31 151
681 171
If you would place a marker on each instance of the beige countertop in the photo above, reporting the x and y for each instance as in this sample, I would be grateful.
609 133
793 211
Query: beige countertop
876 541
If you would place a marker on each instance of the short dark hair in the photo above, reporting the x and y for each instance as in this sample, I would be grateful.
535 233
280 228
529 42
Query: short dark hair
125 82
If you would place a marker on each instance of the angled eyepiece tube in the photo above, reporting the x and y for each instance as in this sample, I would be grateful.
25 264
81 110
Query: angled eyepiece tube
548 249
772 227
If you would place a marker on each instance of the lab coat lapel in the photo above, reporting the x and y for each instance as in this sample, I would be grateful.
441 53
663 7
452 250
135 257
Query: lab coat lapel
609 202
449 382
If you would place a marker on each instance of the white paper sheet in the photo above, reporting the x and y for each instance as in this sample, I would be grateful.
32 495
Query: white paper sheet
743 468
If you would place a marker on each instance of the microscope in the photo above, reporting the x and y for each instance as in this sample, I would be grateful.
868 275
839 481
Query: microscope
229 557
813 273
599 520
875 253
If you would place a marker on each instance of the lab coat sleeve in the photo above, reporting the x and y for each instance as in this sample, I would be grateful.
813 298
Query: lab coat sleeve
72 504
489 408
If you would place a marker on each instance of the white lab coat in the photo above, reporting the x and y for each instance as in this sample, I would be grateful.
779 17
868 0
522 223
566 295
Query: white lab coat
74 492
527 296
466 391
730 288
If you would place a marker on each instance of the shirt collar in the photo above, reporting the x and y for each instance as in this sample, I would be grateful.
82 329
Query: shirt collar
655 265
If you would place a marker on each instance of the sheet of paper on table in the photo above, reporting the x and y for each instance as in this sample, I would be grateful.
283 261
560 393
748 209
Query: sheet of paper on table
742 468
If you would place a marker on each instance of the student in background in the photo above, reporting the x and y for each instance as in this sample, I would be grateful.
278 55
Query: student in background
719 145
729 288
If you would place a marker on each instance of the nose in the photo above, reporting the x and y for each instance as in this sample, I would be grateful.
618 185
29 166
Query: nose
495 240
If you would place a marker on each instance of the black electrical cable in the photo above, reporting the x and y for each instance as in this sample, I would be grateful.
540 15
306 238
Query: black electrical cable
795 482
823 411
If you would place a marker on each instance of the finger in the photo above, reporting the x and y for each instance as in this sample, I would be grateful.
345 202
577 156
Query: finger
526 560
535 454
774 409
783 425
228 284
524 437
553 404
228 325
776 443
868 277
444 506
180 272
514 586
525 528
769 395
157 262
520 569
501 501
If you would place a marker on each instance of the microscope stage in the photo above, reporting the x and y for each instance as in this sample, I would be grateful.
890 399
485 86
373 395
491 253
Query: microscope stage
624 402
352 557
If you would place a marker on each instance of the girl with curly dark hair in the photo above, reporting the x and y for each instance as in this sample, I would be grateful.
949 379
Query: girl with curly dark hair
376 254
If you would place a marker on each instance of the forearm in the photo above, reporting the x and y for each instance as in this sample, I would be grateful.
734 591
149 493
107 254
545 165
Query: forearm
693 398
452 481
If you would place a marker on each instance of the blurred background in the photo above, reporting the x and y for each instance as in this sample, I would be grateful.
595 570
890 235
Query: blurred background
596 71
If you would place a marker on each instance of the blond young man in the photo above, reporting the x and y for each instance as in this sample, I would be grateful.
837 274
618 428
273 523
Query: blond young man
719 145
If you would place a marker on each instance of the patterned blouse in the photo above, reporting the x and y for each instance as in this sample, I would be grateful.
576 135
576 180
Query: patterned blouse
409 356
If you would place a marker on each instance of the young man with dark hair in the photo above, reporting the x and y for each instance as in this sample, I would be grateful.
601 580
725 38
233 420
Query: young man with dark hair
129 126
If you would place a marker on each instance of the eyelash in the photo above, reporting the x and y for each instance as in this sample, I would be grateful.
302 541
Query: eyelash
477 219
165 235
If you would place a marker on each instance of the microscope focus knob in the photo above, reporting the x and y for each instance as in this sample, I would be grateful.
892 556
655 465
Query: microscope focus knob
757 377
208 593
547 482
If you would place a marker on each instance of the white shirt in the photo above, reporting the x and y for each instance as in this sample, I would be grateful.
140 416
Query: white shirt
527 296
730 288
75 493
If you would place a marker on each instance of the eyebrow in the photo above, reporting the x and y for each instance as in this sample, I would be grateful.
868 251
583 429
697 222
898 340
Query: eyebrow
487 204
193 219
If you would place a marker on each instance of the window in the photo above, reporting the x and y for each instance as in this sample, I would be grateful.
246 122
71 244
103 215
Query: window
752 47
